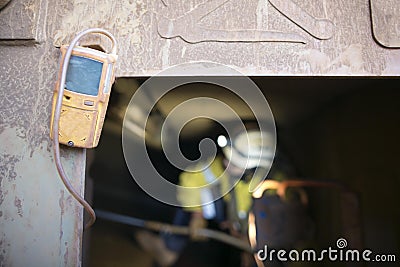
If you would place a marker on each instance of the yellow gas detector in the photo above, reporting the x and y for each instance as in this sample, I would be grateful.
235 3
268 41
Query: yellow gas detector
84 80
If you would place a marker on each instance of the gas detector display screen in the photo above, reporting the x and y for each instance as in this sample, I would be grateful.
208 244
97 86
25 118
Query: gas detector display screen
83 75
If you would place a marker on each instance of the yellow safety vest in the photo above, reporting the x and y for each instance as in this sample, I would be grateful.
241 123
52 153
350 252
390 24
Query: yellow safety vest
198 179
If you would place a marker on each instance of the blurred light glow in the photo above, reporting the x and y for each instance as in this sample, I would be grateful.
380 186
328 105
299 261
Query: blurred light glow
222 141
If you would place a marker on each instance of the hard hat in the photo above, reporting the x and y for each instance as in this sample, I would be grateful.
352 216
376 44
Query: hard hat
250 149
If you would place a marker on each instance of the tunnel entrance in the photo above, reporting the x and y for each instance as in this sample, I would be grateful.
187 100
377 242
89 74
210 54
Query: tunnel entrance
336 129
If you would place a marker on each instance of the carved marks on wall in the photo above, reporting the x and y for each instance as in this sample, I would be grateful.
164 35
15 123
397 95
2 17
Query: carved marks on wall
3 3
385 16
308 22
258 36
187 26
319 28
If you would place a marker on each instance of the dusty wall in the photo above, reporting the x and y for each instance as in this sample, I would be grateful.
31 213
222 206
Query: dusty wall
265 37
40 223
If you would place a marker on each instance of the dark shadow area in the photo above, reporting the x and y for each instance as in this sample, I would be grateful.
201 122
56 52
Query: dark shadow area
330 129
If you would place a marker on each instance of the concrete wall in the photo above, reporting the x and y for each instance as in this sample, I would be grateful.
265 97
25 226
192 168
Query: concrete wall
40 223
257 37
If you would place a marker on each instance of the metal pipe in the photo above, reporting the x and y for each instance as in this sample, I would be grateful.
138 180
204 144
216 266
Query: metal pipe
174 229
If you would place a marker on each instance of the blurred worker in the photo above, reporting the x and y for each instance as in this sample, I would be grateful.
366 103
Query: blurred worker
246 156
